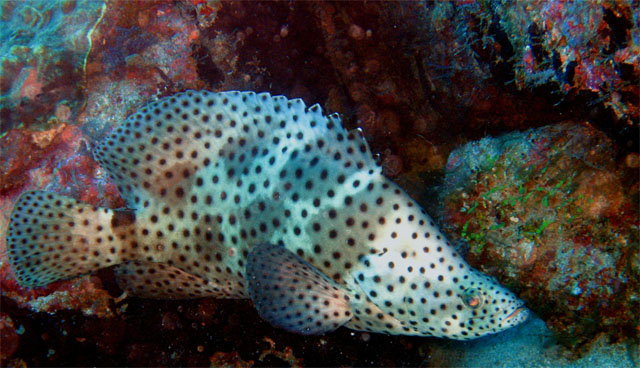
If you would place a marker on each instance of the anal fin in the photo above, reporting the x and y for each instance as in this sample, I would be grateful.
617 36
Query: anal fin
162 281
292 294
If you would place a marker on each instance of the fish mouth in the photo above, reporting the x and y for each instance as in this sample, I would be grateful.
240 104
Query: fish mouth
521 311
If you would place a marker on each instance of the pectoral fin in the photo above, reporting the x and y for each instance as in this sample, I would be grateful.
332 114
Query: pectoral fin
292 294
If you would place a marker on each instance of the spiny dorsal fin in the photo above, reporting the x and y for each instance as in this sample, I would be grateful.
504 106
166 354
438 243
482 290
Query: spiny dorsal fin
157 150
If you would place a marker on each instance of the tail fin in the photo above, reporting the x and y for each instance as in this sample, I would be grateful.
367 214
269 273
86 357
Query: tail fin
53 237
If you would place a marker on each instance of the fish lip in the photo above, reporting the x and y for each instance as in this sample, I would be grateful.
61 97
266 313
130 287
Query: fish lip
517 312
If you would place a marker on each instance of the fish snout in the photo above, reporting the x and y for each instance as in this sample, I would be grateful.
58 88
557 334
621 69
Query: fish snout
516 317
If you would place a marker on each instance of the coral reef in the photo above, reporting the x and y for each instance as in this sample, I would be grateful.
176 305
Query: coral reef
574 51
552 212
43 51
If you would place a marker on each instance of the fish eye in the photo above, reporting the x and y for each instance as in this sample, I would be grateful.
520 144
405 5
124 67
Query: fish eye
472 298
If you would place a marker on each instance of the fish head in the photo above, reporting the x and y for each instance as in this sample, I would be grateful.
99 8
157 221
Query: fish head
484 307
438 294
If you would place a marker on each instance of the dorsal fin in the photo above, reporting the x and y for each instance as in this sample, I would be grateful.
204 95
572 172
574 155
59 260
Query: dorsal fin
159 147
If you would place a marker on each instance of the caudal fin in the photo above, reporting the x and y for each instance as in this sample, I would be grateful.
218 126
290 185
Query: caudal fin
53 237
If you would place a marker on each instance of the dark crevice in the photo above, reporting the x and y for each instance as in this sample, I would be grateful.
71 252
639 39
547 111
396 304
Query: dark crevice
205 67
619 27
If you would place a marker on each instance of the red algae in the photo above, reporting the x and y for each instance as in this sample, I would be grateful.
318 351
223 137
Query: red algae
285 355
84 294
229 360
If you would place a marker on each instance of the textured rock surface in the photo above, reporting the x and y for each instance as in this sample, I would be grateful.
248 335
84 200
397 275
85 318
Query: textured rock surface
552 215
43 51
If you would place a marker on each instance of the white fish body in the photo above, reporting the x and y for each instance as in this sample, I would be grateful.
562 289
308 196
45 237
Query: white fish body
245 195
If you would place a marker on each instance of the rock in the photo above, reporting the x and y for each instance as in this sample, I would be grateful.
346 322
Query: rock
42 56
8 336
547 211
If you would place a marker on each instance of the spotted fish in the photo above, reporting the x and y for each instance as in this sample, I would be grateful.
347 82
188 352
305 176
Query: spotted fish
245 195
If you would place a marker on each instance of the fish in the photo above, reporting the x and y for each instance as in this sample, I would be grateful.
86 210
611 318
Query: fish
248 195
